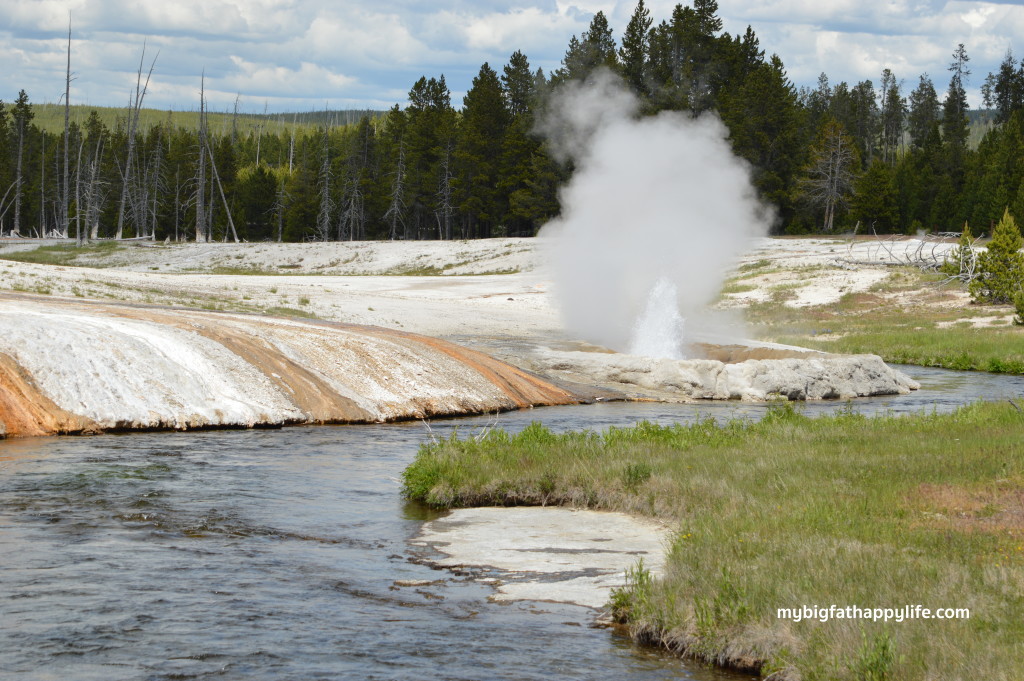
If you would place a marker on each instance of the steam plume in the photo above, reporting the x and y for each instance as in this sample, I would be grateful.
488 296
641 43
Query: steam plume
652 198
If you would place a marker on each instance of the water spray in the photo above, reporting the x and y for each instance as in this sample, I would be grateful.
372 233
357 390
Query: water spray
657 212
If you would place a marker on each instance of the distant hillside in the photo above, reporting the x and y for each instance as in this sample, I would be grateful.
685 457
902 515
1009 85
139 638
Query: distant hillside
50 118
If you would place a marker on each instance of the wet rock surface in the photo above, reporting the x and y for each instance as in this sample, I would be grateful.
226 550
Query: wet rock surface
69 367
546 554
812 376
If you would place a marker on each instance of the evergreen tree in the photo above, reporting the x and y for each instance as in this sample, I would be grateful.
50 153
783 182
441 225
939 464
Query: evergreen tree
765 122
1007 90
924 111
517 85
893 113
479 152
874 198
22 115
595 48
520 146
635 51
954 109
1001 265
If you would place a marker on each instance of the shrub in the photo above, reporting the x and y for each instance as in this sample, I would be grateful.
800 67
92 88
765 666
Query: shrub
1001 267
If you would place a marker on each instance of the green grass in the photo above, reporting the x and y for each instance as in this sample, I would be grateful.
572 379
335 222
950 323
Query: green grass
999 350
50 117
792 511
66 255
905 334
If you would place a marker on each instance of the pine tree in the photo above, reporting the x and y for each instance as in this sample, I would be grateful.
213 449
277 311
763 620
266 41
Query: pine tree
766 123
874 198
635 50
595 48
479 152
924 111
1001 266
517 84
954 112
22 114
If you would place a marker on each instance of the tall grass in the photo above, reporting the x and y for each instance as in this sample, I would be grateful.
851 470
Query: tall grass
788 511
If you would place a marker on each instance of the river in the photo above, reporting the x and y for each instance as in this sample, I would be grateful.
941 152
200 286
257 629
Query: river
274 554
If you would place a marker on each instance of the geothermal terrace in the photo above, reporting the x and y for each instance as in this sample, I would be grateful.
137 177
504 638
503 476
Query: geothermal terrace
363 332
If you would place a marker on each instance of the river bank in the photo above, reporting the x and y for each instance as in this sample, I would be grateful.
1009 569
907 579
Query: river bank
81 367
786 512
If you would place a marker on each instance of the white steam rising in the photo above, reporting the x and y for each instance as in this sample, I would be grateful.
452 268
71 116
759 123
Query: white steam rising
653 198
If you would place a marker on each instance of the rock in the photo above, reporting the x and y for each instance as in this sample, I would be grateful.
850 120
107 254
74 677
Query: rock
812 377
77 366
547 553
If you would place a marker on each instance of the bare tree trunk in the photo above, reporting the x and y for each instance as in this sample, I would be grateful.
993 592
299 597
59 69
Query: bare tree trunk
92 212
227 209
323 219
42 188
66 217
78 192
16 229
396 211
444 195
259 133
177 200
201 180
133 123
279 208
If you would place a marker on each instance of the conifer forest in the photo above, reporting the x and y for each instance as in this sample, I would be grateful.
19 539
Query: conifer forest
898 155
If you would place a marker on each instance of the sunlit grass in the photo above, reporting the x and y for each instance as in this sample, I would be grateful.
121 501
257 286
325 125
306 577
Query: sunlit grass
845 510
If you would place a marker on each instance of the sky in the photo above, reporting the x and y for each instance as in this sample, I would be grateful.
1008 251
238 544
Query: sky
305 55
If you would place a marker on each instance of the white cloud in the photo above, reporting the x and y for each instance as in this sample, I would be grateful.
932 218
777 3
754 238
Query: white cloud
519 29
289 51
265 80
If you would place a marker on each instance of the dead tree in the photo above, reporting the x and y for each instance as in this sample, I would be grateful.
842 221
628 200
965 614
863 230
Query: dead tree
323 218
227 208
93 198
78 192
829 178
280 203
444 210
201 168
395 214
353 215
134 109
66 216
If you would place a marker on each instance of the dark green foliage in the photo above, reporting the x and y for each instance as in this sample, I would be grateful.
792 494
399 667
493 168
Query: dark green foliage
634 54
1001 266
430 170
874 199
485 120
924 111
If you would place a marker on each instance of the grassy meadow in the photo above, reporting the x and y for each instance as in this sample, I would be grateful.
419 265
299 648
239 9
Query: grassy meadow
50 118
792 511
912 317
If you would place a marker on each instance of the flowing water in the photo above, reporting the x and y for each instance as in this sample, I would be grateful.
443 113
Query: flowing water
274 554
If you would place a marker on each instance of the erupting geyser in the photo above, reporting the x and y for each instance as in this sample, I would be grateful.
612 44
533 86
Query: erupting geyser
656 213
658 331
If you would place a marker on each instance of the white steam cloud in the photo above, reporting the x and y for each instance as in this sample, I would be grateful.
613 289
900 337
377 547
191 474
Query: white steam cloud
659 208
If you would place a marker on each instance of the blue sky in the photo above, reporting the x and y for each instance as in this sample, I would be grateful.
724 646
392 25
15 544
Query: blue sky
289 55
